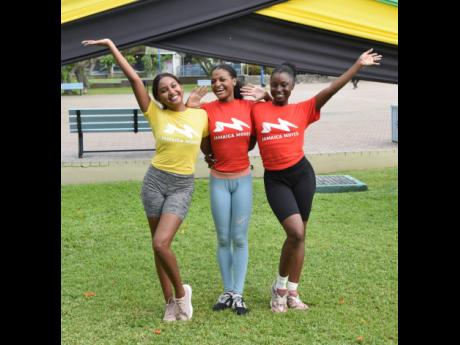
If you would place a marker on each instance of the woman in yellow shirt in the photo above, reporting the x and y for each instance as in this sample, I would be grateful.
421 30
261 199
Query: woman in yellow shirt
168 184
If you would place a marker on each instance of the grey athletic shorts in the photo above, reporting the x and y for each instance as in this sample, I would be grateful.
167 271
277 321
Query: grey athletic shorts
165 192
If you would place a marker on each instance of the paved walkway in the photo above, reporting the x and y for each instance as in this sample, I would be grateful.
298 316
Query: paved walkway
354 122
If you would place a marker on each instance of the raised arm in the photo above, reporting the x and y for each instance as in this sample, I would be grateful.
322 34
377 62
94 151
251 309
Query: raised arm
142 96
366 59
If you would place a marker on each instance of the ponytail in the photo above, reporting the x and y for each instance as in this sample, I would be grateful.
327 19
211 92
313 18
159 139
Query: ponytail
237 90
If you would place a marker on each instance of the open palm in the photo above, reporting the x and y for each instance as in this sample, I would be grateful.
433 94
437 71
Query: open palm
250 90
195 96
368 58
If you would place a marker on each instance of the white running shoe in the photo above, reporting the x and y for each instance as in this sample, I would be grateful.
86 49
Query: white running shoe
238 305
224 301
294 302
184 309
170 310
278 303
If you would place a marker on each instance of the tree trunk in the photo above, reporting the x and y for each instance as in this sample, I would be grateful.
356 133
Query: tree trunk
69 79
80 73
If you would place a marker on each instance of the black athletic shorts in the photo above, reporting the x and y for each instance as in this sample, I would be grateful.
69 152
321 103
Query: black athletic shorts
290 191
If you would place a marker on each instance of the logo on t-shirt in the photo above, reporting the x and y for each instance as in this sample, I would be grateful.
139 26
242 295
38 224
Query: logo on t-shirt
236 124
188 131
282 125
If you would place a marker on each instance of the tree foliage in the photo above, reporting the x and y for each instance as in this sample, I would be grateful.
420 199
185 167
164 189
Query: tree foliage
206 64
109 62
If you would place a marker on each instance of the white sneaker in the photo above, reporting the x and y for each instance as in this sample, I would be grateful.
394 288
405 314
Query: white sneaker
184 309
224 301
238 304
170 311
294 301
278 303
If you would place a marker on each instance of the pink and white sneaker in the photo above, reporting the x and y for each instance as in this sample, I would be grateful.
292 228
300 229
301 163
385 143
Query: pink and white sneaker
294 302
278 302
170 311
184 308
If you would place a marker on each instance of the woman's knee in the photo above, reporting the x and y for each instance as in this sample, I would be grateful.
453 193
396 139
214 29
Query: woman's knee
295 229
240 241
296 237
295 232
223 241
160 245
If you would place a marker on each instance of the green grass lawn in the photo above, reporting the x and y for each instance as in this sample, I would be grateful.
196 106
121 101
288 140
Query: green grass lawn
350 276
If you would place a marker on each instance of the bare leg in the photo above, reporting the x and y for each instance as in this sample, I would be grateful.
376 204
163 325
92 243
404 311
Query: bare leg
161 241
165 283
293 251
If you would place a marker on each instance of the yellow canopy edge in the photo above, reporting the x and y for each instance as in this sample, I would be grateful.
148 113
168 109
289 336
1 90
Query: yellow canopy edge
362 18
76 9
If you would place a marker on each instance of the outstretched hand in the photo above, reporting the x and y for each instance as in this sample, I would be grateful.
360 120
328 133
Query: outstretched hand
250 90
368 59
195 96
103 42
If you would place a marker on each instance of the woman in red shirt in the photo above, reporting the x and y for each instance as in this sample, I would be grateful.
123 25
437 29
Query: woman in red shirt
230 139
289 178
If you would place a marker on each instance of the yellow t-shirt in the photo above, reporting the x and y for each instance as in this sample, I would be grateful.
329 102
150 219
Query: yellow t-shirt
178 137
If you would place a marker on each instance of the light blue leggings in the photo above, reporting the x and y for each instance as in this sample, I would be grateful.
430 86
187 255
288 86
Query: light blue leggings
231 205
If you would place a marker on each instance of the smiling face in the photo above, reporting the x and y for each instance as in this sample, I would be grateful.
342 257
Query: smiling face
281 85
170 93
222 84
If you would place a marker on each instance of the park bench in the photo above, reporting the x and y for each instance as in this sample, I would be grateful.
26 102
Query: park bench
106 120
72 86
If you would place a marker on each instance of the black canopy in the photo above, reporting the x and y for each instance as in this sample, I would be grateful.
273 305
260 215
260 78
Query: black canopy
229 30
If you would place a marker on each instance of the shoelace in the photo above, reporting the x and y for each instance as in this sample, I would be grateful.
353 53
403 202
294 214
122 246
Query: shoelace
296 301
180 305
238 302
170 308
171 303
280 300
295 298
225 298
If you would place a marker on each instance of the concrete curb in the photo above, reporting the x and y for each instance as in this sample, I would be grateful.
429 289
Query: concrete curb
134 170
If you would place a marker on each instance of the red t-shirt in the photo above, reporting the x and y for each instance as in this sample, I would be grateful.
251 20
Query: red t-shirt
230 129
280 131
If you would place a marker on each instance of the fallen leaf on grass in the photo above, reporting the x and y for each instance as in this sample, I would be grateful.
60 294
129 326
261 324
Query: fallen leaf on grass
89 294
183 228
